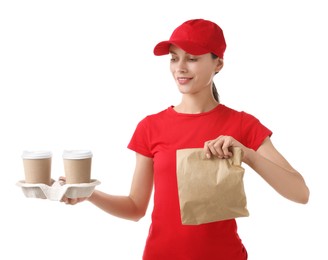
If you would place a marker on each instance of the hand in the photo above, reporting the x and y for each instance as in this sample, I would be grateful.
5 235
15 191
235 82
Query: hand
70 201
220 146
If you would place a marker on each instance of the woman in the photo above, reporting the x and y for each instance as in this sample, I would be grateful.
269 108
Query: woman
199 120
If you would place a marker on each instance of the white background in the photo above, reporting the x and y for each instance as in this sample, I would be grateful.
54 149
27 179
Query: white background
81 74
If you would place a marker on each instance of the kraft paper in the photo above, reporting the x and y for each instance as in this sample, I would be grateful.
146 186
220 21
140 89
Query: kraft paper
210 189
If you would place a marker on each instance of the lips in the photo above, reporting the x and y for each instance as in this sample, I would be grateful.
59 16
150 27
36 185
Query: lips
183 80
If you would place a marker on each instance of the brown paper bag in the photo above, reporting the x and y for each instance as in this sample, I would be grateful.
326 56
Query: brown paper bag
210 189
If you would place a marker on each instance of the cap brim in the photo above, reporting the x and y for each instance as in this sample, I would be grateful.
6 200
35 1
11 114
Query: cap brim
163 48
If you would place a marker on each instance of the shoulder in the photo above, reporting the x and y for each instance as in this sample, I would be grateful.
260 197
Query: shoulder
241 114
245 120
252 131
158 115
155 118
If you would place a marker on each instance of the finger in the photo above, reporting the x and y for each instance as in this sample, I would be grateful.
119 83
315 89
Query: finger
62 180
64 199
215 149
207 149
226 146
68 201
74 201
81 199
226 151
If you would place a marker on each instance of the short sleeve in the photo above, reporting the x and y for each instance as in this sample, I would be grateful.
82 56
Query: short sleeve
140 139
253 131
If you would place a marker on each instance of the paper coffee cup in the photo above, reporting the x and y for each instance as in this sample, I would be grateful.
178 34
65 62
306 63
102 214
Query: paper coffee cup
77 166
37 166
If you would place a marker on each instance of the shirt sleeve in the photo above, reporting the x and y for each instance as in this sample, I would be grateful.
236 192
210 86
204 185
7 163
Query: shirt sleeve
253 131
140 139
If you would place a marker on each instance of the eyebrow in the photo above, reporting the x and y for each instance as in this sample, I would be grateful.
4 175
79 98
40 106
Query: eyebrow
185 53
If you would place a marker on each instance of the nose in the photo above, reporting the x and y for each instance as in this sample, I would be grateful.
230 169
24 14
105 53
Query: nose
181 67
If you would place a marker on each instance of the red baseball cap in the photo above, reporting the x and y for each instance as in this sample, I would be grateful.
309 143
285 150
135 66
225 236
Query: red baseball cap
197 37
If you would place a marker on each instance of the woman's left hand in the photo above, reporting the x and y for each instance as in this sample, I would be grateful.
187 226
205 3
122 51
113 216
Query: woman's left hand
220 146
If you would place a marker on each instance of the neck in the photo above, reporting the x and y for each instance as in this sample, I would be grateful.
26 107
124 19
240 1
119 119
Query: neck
192 106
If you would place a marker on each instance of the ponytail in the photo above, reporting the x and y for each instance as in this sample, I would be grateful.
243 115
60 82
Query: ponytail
215 93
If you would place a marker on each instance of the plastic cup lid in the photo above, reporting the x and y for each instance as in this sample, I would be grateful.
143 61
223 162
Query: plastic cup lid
77 154
36 154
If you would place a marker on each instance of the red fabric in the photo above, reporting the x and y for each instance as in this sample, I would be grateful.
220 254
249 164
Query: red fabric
159 136
197 37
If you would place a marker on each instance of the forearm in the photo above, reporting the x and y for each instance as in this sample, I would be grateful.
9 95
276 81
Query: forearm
119 206
285 180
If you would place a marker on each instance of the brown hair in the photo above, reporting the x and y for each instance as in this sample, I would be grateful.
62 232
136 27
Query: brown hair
215 93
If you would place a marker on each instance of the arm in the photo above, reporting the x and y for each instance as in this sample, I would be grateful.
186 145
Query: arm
131 207
268 163
276 170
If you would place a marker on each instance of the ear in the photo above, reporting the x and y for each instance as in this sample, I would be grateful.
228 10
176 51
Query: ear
219 65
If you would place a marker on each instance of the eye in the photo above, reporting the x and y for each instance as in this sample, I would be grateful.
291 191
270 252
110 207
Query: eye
173 59
192 59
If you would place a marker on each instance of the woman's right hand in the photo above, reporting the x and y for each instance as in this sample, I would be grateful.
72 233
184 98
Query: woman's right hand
72 201
69 201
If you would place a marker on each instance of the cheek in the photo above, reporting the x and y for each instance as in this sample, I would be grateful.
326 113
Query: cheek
172 68
206 73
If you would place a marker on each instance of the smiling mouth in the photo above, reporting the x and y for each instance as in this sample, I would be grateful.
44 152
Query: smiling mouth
182 80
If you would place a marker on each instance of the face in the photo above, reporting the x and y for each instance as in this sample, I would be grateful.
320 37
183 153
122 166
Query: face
193 74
